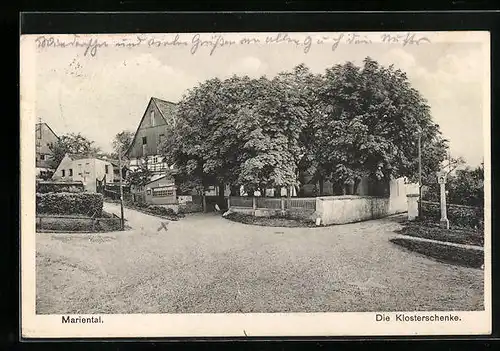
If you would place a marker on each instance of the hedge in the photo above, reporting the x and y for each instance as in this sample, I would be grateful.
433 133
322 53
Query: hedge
59 187
70 203
459 216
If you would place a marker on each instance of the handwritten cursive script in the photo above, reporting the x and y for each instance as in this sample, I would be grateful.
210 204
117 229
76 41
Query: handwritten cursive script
90 45
211 43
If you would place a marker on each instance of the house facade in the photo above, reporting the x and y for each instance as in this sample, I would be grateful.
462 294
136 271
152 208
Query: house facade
88 170
44 137
150 133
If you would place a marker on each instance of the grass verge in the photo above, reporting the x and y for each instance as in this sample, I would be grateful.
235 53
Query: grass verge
269 221
460 256
78 223
453 235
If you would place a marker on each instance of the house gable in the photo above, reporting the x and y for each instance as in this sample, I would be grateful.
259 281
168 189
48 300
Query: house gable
65 164
152 128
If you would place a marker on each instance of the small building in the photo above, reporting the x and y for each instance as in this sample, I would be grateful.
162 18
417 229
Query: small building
87 169
44 137
160 190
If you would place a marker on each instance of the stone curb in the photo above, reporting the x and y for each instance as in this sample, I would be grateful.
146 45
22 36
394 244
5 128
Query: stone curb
446 243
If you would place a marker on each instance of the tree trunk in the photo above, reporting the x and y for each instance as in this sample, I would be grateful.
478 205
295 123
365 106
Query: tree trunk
355 187
321 186
221 198
235 191
277 192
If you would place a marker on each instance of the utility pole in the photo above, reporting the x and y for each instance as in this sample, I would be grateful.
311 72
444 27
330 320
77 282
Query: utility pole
122 220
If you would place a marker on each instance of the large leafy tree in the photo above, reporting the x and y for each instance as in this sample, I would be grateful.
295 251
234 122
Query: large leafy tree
72 143
367 125
348 123
239 131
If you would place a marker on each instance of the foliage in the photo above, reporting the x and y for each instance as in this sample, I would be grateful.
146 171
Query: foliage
58 187
70 203
73 144
459 216
464 187
239 131
45 175
121 142
348 123
140 176
367 124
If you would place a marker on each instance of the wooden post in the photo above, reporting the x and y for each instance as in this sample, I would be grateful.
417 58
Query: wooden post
254 202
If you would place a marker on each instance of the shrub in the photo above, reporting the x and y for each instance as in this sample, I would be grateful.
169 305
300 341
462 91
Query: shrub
59 187
70 203
459 216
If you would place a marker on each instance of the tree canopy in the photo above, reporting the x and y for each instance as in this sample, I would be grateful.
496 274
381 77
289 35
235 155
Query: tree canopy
72 143
345 124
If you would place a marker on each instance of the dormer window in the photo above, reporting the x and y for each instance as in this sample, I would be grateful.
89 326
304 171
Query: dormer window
152 115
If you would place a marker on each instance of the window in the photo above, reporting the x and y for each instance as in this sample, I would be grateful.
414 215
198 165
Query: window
42 157
70 172
163 192
155 159
148 191
63 173
144 140
160 138
106 169
152 118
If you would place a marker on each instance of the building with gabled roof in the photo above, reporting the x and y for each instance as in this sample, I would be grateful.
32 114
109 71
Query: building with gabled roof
151 131
85 168
44 137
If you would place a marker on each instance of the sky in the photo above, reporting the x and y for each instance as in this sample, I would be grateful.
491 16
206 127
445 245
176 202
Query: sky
103 92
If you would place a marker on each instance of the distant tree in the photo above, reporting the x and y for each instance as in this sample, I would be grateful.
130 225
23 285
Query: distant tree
121 142
140 176
464 187
467 187
73 143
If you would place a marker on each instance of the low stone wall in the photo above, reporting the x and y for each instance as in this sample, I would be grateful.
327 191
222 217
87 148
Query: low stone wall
352 208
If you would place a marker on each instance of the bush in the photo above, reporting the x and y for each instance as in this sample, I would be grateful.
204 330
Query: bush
70 203
59 187
459 216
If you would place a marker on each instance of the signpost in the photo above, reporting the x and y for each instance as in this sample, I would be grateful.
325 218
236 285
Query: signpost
444 222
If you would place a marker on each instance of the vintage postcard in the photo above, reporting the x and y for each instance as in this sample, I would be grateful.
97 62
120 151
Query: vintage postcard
255 184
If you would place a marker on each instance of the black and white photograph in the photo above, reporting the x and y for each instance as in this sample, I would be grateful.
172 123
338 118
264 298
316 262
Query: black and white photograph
255 184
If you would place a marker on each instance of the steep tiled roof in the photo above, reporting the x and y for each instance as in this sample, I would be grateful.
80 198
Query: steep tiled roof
43 123
166 108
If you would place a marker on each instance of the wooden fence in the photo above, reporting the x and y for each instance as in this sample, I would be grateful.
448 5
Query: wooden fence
273 203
